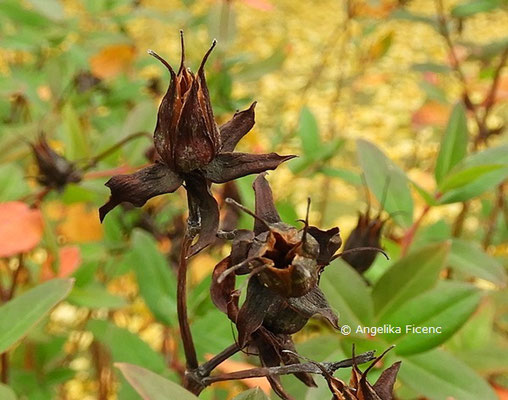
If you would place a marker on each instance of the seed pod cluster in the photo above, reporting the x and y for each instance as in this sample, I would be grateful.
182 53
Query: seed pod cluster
284 265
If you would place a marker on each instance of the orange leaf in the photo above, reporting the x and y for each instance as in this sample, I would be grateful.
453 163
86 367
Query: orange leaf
112 60
380 10
431 113
502 89
229 366
262 5
70 260
21 228
501 392
80 224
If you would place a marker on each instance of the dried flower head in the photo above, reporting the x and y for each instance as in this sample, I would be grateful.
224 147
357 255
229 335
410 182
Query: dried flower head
55 171
284 264
193 151
359 387
367 233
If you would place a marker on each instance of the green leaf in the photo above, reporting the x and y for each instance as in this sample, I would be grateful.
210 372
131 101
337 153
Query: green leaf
95 296
474 7
6 393
454 145
308 130
347 293
21 16
488 181
447 308
252 394
76 143
12 183
408 277
126 346
213 332
151 386
426 196
467 176
438 375
342 173
157 282
469 258
497 154
19 315
382 175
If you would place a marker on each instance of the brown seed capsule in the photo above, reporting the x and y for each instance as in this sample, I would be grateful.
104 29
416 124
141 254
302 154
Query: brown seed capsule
283 290
55 171
367 233
284 264
193 152
186 135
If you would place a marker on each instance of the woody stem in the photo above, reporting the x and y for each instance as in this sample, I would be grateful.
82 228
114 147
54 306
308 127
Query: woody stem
205 369
181 306
309 367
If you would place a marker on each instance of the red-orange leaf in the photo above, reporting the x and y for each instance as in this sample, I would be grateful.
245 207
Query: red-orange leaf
20 228
70 260
431 113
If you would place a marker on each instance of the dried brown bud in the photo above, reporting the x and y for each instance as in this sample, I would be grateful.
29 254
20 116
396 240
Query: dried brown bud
367 233
186 135
55 171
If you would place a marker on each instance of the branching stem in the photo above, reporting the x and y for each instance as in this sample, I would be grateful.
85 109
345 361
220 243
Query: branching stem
309 367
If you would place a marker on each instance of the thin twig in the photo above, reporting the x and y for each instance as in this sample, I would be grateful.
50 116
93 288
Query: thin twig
445 32
458 225
490 100
205 369
4 363
309 367
181 298
491 224
408 237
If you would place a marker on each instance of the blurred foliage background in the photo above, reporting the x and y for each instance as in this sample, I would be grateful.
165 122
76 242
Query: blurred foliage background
360 88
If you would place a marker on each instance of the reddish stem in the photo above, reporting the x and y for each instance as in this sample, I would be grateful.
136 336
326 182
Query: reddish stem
408 237
181 305
4 362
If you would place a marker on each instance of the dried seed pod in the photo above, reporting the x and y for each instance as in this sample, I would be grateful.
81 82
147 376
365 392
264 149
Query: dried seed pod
284 264
367 233
55 171
359 387
192 150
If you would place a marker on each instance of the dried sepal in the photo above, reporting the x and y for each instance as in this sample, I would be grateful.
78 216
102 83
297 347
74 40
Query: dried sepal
139 187
382 389
236 128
